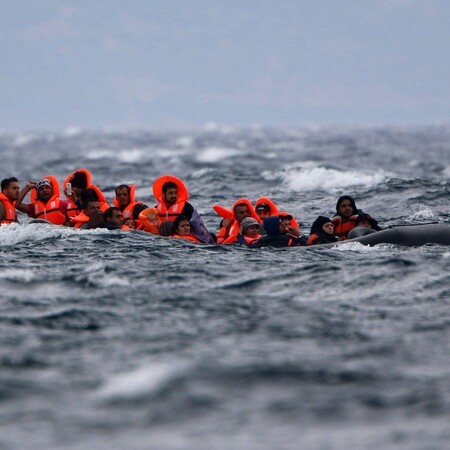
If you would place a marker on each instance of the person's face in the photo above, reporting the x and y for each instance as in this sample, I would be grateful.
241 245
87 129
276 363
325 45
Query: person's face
130 223
123 197
184 228
153 219
44 193
284 225
263 213
116 218
91 208
12 191
328 228
345 208
252 231
365 223
171 196
241 212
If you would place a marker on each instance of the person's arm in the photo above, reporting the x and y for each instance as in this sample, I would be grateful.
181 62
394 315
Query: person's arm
25 208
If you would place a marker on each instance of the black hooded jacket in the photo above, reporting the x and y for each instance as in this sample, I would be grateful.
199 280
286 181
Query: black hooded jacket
322 237
275 238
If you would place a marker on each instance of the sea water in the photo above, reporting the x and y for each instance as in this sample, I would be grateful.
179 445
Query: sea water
124 340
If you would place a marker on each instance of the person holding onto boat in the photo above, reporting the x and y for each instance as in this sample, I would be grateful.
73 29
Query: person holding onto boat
125 200
46 203
365 224
322 232
345 218
279 231
172 197
181 229
74 184
8 196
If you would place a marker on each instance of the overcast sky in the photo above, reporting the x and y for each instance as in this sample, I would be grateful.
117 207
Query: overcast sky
145 63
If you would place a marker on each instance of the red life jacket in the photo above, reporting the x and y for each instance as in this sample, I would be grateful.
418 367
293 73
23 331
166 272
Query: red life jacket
50 210
10 210
343 226
312 238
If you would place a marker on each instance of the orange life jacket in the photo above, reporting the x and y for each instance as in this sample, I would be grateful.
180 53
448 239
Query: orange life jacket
273 209
225 233
190 237
312 238
73 209
249 240
79 220
51 209
343 226
171 212
127 212
10 210
147 225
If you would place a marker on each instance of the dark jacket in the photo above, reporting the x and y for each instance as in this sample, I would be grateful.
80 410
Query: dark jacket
318 236
275 238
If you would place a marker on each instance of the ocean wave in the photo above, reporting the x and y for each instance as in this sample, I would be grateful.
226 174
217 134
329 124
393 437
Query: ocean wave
309 176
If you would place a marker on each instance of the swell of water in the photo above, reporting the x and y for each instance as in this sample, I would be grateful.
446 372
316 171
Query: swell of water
126 340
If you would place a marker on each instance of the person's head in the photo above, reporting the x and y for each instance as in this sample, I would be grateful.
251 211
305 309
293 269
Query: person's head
284 223
91 206
364 220
241 211
10 188
113 215
346 206
165 229
44 190
123 195
322 224
130 223
153 218
181 226
79 182
87 194
262 210
170 192
250 227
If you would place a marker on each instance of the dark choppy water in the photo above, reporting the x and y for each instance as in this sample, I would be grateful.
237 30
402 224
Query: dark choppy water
114 340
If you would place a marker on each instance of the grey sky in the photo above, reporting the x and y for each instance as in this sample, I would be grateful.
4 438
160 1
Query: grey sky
146 63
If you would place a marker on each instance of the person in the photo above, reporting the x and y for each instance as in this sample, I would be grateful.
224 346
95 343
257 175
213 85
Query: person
130 223
181 229
8 196
113 218
365 224
45 201
80 180
345 218
249 231
172 201
125 200
322 232
231 224
150 221
264 207
278 230
91 209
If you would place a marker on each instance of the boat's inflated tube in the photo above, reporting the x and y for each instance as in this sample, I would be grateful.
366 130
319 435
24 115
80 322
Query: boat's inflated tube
409 235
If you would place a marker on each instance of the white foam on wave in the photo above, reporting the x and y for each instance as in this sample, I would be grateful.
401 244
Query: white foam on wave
21 275
97 275
308 176
355 247
144 380
215 154
424 213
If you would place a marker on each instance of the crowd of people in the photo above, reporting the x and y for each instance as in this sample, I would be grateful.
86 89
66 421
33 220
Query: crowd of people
258 225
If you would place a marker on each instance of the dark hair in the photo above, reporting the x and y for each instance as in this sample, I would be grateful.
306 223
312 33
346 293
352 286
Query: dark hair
86 202
352 201
122 186
177 222
109 212
6 181
168 185
86 195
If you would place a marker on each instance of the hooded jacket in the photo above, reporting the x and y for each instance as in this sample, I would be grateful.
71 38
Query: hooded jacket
342 225
274 236
318 236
